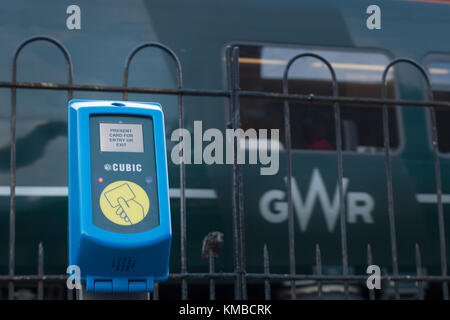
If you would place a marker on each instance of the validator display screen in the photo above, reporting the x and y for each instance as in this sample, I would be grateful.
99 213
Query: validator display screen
121 137
123 173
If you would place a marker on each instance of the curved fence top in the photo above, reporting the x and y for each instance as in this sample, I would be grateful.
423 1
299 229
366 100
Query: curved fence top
414 64
53 41
310 55
167 50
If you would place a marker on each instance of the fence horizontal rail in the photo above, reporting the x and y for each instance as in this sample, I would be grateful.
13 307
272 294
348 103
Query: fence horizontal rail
118 89
257 276
33 277
274 276
226 94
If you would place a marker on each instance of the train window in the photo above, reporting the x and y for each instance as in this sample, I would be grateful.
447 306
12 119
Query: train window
312 125
439 71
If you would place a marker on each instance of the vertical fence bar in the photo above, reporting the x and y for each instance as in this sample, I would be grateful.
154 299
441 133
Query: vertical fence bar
184 285
319 269
232 101
12 184
437 167
291 230
12 176
69 293
238 179
369 263
212 285
156 291
179 77
266 272
420 295
287 129
390 196
342 210
40 288
240 182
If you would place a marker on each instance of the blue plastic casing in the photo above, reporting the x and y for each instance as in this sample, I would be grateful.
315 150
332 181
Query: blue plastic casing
94 249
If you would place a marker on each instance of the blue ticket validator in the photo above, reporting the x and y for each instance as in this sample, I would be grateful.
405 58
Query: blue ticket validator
119 211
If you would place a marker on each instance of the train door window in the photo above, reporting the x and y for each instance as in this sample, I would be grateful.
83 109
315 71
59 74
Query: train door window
439 70
312 125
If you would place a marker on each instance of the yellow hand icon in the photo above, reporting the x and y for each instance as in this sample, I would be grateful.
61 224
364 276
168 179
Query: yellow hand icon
130 211
124 203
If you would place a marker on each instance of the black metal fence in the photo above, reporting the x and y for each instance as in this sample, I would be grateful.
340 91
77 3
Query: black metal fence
212 243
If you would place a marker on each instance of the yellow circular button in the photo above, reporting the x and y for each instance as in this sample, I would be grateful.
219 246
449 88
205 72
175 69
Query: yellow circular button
124 202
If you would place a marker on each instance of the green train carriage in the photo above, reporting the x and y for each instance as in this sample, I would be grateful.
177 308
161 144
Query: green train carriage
268 34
